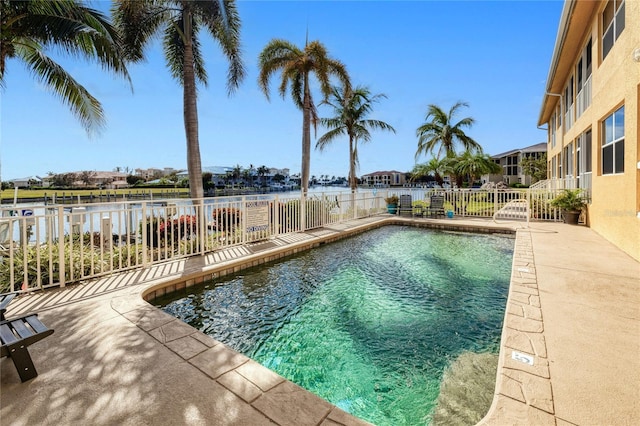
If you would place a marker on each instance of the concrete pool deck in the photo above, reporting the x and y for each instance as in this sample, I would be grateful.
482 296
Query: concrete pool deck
569 352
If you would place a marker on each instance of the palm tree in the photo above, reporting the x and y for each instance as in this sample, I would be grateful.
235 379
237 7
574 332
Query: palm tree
296 66
437 167
237 173
28 28
180 22
262 172
351 107
474 166
439 134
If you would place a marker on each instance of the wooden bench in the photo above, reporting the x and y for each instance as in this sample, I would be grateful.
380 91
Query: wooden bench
5 299
16 335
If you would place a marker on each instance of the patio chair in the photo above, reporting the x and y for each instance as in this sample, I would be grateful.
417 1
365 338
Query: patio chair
16 335
405 205
436 206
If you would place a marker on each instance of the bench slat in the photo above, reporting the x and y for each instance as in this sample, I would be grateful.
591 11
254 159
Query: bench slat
5 299
6 335
19 326
36 324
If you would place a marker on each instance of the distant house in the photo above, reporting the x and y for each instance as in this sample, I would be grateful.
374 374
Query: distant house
26 182
103 180
510 163
384 178
153 173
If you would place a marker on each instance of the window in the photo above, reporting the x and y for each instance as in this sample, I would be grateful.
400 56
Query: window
568 160
613 143
553 167
612 24
552 127
568 105
583 80
586 152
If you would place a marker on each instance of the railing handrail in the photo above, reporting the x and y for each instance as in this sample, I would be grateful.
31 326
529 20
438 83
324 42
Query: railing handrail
55 245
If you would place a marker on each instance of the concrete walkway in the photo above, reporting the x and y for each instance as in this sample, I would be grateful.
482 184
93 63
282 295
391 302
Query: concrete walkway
573 311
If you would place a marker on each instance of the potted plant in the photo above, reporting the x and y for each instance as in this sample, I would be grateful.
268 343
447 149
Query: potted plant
392 203
571 202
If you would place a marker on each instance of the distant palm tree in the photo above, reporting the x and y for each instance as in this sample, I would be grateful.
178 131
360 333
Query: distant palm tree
180 22
351 108
28 28
296 66
237 173
440 135
437 167
474 166
262 172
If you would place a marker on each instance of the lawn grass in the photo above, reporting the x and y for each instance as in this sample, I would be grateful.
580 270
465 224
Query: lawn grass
24 193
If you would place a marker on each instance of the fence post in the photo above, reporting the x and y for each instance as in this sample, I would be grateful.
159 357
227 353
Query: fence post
495 200
144 227
528 205
61 253
276 216
354 205
202 227
243 219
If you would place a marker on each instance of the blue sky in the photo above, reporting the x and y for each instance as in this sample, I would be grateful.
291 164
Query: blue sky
494 55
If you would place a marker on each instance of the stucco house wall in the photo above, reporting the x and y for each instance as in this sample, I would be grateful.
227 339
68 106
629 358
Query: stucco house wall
614 210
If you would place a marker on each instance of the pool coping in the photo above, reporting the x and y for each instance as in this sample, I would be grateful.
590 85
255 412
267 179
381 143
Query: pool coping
522 332
272 395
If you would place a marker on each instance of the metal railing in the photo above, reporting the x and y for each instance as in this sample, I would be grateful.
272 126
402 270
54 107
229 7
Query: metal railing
583 98
43 246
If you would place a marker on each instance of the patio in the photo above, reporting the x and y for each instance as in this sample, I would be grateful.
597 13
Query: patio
114 359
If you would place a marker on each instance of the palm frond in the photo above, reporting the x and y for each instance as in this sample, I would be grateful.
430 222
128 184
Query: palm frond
222 20
85 107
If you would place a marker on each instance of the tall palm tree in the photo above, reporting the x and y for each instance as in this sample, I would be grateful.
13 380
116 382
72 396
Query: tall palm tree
440 135
180 22
296 66
29 28
351 108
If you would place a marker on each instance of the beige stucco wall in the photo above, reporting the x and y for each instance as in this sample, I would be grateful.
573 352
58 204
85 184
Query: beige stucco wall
615 205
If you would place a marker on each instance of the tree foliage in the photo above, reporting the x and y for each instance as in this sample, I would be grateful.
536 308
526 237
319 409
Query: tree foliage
536 167
440 135
351 109
179 23
296 66
30 28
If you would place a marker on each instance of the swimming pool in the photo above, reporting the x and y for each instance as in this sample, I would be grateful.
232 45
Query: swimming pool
368 323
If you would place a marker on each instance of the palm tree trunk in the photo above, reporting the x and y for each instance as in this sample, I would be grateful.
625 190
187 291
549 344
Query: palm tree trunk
352 164
306 137
194 165
306 152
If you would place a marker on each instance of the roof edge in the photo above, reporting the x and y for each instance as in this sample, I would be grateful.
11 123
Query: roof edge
563 28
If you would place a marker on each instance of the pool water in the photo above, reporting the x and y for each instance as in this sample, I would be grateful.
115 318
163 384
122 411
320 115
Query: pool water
368 323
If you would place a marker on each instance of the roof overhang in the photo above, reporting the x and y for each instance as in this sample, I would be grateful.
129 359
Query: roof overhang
575 23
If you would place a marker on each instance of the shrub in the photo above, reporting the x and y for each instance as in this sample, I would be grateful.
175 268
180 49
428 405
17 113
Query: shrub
160 229
226 219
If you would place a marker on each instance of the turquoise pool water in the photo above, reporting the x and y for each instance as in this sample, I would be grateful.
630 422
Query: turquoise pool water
367 323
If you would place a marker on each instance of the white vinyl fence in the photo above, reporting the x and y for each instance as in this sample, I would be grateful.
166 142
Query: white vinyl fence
52 245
